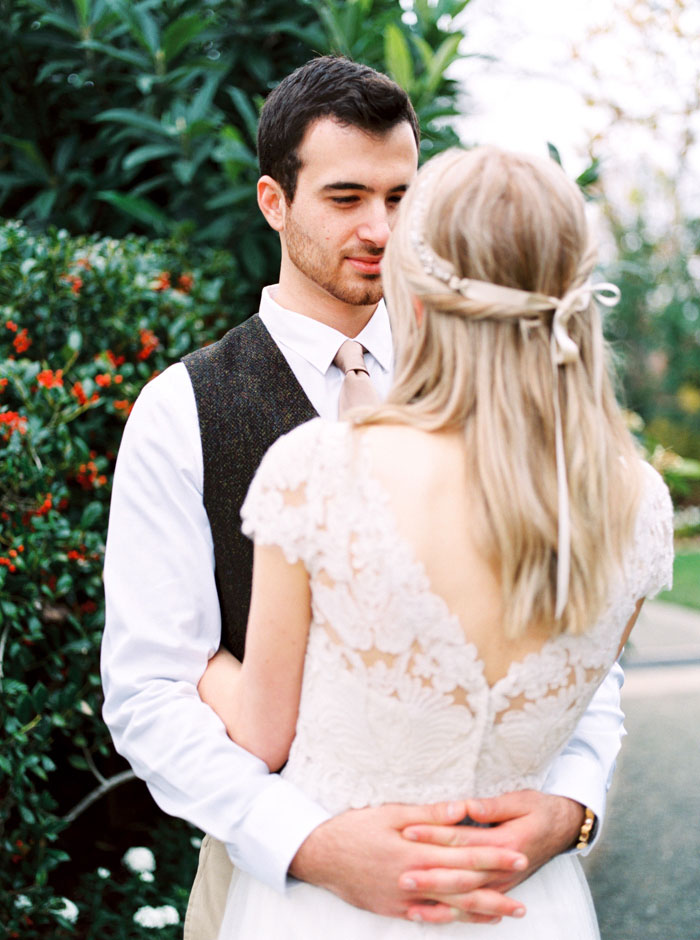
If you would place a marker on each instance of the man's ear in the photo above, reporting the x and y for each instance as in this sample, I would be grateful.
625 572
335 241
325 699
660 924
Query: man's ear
272 202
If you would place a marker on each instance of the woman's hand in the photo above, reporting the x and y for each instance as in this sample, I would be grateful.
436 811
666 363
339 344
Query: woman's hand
218 686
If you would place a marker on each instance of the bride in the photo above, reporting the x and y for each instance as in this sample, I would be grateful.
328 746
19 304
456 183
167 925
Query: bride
441 583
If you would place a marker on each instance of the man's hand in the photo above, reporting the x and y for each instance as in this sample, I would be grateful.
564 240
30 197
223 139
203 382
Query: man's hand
363 857
537 825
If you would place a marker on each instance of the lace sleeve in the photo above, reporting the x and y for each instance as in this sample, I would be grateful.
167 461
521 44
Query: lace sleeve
276 510
655 534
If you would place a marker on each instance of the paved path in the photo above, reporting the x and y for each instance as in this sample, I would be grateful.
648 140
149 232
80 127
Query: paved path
645 871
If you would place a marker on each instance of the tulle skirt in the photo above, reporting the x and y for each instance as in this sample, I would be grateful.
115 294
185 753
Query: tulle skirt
558 902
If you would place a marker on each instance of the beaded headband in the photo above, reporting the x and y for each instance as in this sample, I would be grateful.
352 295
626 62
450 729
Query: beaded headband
524 306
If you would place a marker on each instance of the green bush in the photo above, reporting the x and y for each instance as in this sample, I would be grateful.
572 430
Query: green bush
84 323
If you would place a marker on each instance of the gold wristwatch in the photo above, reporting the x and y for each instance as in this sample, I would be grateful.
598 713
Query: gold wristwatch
587 826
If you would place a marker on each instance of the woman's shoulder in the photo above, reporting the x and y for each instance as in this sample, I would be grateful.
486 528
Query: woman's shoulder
654 532
312 435
297 454
656 497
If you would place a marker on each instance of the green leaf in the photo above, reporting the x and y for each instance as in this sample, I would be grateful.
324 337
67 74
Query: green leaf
554 153
184 171
179 34
232 196
30 150
122 55
82 8
149 28
39 696
148 152
42 204
445 55
132 119
201 103
64 584
424 13
138 208
425 50
91 514
63 23
64 154
398 56
329 16
590 175
27 814
75 340
78 761
245 109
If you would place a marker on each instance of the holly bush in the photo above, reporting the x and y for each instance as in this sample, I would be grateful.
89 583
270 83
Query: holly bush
85 322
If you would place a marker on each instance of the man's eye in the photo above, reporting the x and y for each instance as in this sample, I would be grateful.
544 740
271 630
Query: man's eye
395 200
344 200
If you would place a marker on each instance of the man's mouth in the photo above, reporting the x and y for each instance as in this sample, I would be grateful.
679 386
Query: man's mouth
366 265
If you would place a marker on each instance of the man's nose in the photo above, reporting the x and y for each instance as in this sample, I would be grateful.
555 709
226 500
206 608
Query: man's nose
375 228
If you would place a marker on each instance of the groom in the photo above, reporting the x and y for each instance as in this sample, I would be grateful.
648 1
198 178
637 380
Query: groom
338 147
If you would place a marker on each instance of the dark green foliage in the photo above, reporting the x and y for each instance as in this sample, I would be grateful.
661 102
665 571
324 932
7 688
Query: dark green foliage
655 329
122 116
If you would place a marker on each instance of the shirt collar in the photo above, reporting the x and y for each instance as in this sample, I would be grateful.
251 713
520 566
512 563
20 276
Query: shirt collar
317 342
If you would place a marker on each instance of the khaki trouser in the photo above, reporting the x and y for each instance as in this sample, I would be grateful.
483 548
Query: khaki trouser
205 909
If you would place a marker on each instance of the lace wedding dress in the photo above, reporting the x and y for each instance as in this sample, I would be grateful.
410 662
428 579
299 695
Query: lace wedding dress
395 706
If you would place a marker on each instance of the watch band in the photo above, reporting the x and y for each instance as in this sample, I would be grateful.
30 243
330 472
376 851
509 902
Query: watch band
586 830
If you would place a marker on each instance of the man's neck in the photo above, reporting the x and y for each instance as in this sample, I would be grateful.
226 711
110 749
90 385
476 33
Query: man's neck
314 302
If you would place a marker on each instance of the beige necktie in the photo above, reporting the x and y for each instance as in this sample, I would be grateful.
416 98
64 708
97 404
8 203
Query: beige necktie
357 388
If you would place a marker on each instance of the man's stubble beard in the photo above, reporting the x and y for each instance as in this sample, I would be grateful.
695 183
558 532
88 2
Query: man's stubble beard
308 257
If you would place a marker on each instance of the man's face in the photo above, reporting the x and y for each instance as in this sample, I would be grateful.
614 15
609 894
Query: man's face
348 190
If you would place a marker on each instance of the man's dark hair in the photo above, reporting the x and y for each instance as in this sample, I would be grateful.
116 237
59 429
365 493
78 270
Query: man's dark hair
329 86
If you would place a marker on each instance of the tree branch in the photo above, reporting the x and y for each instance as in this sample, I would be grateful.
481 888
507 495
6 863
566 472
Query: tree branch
3 642
93 767
98 792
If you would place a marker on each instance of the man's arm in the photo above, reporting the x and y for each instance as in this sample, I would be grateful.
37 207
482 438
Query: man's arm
163 623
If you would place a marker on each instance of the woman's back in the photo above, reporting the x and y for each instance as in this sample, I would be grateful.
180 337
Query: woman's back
436 513
411 691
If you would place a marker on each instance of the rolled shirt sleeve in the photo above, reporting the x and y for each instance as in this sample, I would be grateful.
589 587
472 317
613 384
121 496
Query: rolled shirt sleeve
584 769
162 625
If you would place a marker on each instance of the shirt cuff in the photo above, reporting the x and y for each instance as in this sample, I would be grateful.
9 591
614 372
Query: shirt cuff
279 822
577 778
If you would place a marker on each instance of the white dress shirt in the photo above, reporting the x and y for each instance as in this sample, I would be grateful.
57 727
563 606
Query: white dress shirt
163 621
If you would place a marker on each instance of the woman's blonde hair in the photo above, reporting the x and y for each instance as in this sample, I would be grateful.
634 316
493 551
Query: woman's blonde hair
473 362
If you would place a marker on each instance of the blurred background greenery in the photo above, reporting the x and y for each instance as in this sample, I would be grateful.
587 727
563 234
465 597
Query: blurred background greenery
130 235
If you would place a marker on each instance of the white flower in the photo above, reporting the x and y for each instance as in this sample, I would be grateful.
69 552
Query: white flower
196 842
139 859
104 872
69 911
22 902
146 876
156 916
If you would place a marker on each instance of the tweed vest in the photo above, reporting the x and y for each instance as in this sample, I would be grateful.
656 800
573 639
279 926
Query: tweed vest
247 397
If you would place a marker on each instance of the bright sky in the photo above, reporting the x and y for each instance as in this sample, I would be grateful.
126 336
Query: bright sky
550 54
524 97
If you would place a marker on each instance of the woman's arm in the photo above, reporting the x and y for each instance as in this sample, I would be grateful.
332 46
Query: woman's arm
258 701
630 624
